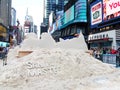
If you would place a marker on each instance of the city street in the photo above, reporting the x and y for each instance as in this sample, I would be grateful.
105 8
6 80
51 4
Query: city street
60 44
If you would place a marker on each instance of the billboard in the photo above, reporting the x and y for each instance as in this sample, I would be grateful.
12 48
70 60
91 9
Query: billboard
111 9
81 11
96 13
69 15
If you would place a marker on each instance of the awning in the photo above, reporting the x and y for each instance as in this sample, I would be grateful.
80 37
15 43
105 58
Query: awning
100 40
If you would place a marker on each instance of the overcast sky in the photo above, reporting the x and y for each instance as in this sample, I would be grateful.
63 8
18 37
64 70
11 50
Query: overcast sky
35 9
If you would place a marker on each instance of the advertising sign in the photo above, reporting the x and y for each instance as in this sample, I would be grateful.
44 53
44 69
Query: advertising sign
96 13
111 9
69 14
4 44
81 11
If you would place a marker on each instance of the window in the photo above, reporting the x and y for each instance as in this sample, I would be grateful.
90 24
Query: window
68 31
78 30
72 31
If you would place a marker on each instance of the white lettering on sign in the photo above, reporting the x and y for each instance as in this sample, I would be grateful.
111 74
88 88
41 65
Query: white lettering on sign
101 36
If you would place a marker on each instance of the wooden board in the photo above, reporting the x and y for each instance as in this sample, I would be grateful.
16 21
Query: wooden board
23 53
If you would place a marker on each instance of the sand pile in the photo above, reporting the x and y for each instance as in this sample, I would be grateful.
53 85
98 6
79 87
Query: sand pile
57 69
76 43
31 42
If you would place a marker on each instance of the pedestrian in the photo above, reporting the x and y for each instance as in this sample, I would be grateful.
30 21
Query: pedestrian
113 51
98 54
118 57
5 52
95 53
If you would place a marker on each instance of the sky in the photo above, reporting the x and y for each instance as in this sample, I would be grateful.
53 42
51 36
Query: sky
35 9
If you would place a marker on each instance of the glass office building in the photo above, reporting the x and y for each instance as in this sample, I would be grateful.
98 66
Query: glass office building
52 5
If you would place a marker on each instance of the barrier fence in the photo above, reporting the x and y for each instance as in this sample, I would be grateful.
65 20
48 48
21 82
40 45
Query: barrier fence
109 58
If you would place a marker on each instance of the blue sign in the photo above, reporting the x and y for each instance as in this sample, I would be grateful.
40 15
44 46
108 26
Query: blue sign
69 15
4 44
81 11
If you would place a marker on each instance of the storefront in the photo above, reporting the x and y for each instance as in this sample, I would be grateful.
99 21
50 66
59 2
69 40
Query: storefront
103 40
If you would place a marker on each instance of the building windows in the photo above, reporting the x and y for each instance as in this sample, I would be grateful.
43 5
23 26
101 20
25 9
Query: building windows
0 8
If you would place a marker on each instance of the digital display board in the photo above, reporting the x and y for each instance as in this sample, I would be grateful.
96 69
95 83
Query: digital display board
96 13
111 9
81 11
69 15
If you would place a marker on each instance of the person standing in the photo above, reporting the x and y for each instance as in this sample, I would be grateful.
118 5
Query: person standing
118 57
5 52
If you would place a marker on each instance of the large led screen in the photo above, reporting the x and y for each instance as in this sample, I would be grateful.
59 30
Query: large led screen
96 13
69 14
81 11
111 9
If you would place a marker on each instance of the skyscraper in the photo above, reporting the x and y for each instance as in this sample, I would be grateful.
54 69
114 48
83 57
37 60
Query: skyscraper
13 17
28 24
5 12
52 5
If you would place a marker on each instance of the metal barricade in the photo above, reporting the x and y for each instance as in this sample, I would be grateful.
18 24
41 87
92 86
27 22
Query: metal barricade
109 58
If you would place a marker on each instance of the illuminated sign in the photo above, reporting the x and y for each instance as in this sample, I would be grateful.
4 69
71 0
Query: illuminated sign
69 14
81 11
96 13
3 44
111 9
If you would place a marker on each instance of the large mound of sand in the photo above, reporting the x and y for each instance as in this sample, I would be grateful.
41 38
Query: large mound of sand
56 68
76 43
31 42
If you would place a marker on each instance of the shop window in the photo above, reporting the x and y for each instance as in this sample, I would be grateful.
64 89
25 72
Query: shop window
63 33
78 30
68 31
73 31
107 44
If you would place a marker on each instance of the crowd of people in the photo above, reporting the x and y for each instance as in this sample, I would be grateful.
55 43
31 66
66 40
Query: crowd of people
99 52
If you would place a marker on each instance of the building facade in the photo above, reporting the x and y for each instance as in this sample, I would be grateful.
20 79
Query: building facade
13 17
72 21
104 24
5 12
5 20
52 5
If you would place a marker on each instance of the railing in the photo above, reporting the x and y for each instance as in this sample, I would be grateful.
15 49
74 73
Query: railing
109 58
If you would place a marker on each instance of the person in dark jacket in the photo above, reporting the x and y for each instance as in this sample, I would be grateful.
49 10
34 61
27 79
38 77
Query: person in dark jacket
118 57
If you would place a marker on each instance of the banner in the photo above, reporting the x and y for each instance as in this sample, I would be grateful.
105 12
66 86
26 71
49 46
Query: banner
111 9
96 13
